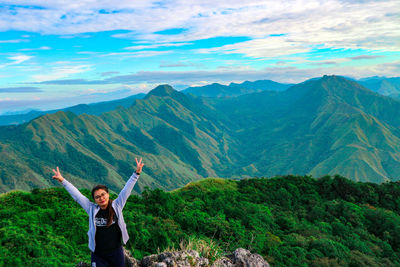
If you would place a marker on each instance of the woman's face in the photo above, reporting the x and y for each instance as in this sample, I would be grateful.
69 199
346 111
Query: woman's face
101 197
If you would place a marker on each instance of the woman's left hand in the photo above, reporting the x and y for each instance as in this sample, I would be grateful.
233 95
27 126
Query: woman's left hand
139 166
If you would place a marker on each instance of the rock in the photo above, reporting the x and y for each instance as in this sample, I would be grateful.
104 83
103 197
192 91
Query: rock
244 258
191 258
148 260
241 258
129 260
223 262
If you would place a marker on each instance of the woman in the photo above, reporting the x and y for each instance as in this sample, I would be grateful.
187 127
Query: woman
107 227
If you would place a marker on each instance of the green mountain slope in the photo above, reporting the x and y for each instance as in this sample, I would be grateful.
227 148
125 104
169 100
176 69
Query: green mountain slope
178 139
323 126
382 85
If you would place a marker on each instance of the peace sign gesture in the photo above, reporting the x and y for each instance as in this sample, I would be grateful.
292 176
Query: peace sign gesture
139 166
57 175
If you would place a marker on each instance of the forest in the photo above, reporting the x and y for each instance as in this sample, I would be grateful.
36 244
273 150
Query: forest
289 220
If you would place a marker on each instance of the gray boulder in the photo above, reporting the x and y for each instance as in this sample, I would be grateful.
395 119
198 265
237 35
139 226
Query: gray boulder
241 258
129 260
223 262
191 258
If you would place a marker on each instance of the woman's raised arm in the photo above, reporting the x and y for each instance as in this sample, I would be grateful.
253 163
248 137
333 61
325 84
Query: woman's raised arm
73 191
126 191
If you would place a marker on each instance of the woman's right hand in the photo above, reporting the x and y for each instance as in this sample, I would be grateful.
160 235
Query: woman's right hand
139 166
57 175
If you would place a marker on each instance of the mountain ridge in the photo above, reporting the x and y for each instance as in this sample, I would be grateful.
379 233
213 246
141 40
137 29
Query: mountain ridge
109 141
382 85
235 89
323 126
307 123
93 108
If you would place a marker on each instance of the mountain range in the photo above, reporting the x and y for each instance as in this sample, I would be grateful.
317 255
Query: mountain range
330 125
382 85
212 90
93 109
236 89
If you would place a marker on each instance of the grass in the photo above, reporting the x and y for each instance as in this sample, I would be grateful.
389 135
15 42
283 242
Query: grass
208 249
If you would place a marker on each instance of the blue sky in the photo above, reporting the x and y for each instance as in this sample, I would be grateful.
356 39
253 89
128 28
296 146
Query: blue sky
55 54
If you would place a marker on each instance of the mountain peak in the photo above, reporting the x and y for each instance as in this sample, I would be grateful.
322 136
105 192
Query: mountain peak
161 90
337 82
331 77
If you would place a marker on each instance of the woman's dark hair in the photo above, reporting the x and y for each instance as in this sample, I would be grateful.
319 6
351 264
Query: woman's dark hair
109 208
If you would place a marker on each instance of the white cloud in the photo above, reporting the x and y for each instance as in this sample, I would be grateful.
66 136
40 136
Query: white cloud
288 74
276 28
44 48
104 92
271 47
178 64
152 46
18 59
332 23
6 99
60 72
147 53
36 49
13 41
326 24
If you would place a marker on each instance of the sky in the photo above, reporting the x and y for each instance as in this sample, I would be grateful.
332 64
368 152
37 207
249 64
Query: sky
56 53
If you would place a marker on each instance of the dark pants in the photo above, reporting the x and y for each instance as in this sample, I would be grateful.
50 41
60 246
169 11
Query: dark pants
114 258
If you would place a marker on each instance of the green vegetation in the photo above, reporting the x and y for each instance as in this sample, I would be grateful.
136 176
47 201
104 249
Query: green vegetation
330 125
323 126
291 221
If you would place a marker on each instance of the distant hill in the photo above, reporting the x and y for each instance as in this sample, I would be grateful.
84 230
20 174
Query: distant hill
92 109
382 85
236 89
323 126
330 125
262 85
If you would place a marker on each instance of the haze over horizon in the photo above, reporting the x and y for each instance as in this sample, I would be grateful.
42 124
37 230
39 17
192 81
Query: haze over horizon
56 54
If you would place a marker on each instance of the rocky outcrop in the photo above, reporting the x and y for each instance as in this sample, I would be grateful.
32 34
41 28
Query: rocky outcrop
191 258
241 258
129 260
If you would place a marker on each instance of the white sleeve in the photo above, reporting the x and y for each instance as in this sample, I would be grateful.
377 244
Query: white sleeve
77 196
